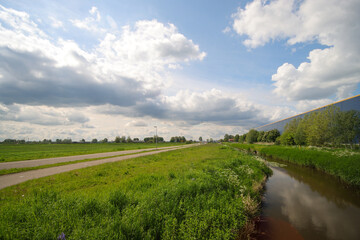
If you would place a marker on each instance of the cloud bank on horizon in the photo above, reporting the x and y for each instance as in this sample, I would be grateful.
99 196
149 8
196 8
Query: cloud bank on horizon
52 86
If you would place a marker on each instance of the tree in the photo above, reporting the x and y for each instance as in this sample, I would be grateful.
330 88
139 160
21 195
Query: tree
260 136
287 138
300 134
272 135
200 139
117 139
67 140
128 139
94 140
82 140
236 139
123 139
251 136
226 137
347 127
105 140
242 138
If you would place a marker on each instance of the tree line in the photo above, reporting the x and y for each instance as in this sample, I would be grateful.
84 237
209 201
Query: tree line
253 136
326 127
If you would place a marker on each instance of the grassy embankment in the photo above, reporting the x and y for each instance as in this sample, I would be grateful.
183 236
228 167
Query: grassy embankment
342 163
18 152
206 192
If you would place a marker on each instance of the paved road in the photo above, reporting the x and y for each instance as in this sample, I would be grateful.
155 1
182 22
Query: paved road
16 178
45 161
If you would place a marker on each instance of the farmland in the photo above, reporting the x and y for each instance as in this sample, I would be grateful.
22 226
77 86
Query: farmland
209 192
18 152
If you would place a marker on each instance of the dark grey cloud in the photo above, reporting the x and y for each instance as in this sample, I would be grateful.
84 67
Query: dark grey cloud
29 78
221 111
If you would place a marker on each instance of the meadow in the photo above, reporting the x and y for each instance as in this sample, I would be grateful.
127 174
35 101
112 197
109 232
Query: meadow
18 152
341 163
205 192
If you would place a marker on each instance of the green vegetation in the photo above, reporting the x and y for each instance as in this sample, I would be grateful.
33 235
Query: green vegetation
17 170
17 152
254 136
205 192
329 126
342 163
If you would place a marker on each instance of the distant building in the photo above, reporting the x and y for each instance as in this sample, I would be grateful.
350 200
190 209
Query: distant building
352 103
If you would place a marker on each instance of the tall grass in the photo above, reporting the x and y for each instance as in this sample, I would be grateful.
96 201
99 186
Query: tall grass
17 152
342 163
207 192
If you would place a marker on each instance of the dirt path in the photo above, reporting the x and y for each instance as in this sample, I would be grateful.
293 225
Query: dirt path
45 161
16 178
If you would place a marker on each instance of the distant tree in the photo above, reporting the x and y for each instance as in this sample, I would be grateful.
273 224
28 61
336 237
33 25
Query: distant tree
287 138
105 140
136 140
94 140
58 141
128 140
82 140
300 134
123 139
236 138
260 136
347 127
252 136
200 139
67 140
272 135
226 137
117 139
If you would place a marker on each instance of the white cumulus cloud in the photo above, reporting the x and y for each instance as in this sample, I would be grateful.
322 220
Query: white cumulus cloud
334 70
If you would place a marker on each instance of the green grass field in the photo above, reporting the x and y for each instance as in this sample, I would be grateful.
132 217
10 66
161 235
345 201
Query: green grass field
342 163
18 152
205 192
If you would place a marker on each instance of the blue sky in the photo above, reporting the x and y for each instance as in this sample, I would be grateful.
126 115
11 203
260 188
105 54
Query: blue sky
85 69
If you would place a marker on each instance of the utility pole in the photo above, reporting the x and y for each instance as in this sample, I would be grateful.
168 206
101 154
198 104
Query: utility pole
156 136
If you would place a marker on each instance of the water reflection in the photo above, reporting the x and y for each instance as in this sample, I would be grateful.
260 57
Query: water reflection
316 206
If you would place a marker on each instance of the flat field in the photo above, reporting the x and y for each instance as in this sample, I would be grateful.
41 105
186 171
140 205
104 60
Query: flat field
18 152
341 163
204 192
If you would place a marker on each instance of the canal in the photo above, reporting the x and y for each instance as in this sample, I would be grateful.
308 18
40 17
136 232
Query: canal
303 203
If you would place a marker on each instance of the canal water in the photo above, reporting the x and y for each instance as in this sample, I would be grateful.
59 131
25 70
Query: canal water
302 203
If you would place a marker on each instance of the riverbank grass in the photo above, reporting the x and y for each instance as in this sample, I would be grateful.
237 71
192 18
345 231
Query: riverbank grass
205 192
341 163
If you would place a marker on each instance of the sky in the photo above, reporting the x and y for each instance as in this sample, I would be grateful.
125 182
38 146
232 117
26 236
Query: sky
101 69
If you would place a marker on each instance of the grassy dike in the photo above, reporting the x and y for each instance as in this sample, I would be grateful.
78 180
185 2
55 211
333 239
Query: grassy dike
344 164
206 192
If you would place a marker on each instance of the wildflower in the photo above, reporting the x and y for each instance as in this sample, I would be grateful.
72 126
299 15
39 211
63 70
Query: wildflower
61 236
